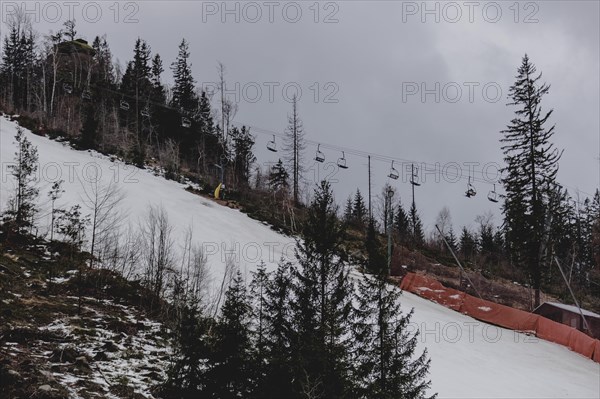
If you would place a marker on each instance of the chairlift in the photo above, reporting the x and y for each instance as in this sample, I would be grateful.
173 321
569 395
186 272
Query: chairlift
185 122
471 192
67 88
493 195
414 178
319 157
272 145
86 95
124 105
393 173
342 161
145 112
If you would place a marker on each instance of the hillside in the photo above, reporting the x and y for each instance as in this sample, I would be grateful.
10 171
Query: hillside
55 345
470 359
222 232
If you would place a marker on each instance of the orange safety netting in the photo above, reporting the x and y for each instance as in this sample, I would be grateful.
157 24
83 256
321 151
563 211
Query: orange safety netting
433 290
554 332
502 315
582 343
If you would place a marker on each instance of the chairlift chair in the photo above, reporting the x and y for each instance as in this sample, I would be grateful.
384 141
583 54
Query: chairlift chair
471 192
319 157
414 178
145 112
124 105
393 173
86 95
342 161
186 123
272 145
67 88
493 195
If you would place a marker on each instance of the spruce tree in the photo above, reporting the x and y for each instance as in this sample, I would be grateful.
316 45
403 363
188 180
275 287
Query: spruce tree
348 210
11 59
279 177
243 157
322 302
530 171
71 224
89 130
385 351
22 205
561 232
184 93
232 371
102 66
207 131
402 225
589 234
376 260
31 76
141 61
158 91
278 378
205 113
17 68
128 80
187 375
451 239
258 300
359 210
593 223
416 228
467 244
136 79
485 241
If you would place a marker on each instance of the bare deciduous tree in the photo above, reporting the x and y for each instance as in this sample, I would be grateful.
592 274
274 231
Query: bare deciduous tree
55 192
294 148
444 222
169 158
228 108
311 389
192 279
122 252
228 275
102 200
158 253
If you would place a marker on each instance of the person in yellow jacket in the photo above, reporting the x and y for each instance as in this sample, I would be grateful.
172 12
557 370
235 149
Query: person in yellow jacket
220 191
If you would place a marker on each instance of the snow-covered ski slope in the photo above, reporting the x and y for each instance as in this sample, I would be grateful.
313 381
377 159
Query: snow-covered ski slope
222 232
470 359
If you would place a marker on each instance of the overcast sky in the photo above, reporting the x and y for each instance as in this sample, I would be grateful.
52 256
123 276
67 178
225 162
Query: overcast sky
362 68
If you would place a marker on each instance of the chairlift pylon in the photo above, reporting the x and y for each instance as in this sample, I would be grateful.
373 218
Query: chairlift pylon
272 145
319 156
342 161
393 173
414 178
471 192
493 195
